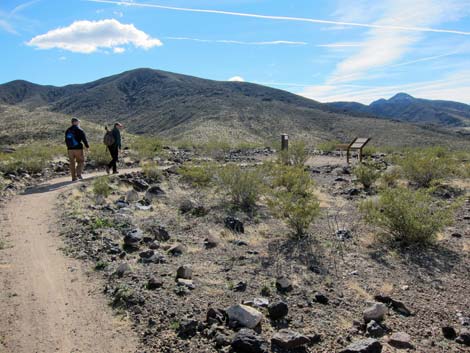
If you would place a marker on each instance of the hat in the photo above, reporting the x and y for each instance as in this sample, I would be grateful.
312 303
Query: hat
118 124
75 120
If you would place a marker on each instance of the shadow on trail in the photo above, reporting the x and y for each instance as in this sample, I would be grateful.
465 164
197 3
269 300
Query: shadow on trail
45 188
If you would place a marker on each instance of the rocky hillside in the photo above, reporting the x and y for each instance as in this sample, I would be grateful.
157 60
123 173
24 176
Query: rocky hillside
184 107
406 108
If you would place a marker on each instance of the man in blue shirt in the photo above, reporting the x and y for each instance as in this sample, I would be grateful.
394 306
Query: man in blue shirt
75 138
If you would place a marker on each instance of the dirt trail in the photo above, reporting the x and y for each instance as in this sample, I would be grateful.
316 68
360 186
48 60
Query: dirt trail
48 303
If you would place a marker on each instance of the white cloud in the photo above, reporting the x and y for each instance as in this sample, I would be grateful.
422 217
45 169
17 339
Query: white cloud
236 79
389 26
118 13
229 41
89 36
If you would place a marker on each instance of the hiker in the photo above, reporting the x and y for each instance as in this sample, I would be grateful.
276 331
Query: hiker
112 139
75 138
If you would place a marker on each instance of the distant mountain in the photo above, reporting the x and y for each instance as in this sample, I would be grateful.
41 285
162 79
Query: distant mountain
184 107
404 107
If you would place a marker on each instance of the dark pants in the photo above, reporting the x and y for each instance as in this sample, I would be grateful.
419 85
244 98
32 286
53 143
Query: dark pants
115 157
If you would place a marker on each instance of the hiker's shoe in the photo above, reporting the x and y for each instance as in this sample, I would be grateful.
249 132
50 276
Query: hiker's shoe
107 170
80 177
74 179
116 172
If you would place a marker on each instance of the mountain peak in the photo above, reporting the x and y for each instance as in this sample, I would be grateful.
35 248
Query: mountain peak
401 96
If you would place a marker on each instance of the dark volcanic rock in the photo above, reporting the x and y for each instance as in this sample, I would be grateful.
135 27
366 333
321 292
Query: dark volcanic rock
247 341
449 332
464 337
321 298
278 310
188 328
374 329
154 283
234 225
396 305
185 272
368 345
284 285
289 339
133 238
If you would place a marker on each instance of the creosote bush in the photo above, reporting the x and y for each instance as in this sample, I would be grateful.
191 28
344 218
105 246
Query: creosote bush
198 175
407 216
145 147
296 155
244 185
292 198
150 170
99 155
101 186
366 174
390 177
423 167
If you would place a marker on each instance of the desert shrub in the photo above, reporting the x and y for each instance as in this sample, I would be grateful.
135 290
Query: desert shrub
423 167
389 178
296 155
293 179
292 198
31 158
145 147
151 170
299 211
215 148
101 187
200 175
366 174
243 185
328 146
407 216
99 156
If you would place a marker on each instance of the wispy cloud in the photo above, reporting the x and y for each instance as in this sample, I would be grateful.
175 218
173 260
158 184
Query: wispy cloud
8 19
23 6
88 36
228 41
341 45
384 26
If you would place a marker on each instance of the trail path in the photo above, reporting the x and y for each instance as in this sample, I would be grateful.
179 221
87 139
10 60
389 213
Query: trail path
48 302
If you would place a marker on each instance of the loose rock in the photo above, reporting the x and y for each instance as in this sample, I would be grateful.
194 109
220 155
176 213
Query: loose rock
244 315
368 345
289 339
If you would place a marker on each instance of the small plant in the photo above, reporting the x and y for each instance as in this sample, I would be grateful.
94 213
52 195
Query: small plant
407 216
328 146
366 174
101 187
151 170
244 185
292 178
200 175
299 211
174 325
424 167
215 148
99 223
122 295
31 158
101 265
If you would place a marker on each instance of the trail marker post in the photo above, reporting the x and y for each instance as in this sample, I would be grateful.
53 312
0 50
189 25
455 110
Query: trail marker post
284 142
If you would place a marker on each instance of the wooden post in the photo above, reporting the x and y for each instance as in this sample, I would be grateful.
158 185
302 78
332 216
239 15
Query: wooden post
284 142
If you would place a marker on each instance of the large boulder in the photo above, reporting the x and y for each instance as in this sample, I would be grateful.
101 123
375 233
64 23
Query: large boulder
244 315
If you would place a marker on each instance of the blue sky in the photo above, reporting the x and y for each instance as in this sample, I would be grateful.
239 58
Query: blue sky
358 50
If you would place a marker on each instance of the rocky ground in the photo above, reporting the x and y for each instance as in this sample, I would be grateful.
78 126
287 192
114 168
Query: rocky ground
198 276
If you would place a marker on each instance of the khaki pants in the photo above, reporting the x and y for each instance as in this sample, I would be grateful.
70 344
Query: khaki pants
77 161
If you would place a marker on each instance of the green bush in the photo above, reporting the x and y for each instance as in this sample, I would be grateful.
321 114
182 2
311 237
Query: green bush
366 174
151 170
145 147
293 199
328 146
215 148
99 155
32 158
299 211
296 155
101 186
407 216
390 177
424 167
293 179
199 175
243 185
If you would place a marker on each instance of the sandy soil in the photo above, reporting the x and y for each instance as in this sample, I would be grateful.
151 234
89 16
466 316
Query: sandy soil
49 302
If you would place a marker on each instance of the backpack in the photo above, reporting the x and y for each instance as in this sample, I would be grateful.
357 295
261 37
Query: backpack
70 139
108 138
